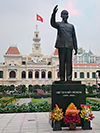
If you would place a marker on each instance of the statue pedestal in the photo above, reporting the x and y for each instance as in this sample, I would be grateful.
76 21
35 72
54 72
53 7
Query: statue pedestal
65 92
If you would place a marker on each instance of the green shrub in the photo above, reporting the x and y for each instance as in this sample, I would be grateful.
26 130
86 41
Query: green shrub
91 95
11 108
49 95
98 95
95 105
23 95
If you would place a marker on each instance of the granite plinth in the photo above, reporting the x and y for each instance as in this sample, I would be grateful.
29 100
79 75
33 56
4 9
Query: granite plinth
63 93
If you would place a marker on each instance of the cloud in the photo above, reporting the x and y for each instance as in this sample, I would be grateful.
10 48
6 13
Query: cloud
72 10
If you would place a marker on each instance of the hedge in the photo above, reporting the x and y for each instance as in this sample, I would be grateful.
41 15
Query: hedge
11 108
23 96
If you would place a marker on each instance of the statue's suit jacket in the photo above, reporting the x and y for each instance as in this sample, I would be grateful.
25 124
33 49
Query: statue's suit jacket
66 37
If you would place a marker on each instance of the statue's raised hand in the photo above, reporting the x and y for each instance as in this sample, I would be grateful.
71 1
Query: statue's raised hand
55 9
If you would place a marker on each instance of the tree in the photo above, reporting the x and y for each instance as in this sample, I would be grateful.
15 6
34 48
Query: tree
48 88
37 87
4 88
31 88
21 88
11 87
90 89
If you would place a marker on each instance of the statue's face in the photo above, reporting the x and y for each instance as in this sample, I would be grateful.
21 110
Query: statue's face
64 14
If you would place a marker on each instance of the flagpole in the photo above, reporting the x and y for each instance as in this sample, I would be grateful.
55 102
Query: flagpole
36 23
39 18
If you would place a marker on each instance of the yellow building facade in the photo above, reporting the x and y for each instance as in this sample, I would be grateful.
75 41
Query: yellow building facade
39 69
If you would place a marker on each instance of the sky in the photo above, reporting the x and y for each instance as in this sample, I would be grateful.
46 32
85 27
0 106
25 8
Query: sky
18 23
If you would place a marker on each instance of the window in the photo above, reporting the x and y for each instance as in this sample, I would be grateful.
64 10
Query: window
93 75
43 74
49 75
37 47
36 35
1 74
12 74
36 74
88 75
23 63
75 74
49 63
30 88
58 75
81 75
12 87
23 74
30 74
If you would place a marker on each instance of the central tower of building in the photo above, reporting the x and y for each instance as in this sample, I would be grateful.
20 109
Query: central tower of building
36 48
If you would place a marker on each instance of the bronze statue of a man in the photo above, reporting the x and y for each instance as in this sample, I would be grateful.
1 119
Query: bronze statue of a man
65 43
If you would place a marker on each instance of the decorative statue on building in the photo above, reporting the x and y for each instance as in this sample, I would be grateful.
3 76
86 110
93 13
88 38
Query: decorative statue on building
65 43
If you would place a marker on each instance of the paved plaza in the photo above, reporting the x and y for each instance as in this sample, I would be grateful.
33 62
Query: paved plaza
24 100
38 123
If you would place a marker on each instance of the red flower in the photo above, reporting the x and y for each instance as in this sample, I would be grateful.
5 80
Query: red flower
83 105
69 118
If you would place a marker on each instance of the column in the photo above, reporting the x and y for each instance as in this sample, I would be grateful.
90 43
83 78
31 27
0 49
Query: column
78 74
17 74
7 75
46 74
26 74
33 74
55 74
85 74
90 74
73 74
40 74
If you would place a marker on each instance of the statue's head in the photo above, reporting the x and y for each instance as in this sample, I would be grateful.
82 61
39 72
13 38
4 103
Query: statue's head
64 14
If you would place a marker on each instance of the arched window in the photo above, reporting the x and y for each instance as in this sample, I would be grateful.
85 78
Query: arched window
93 75
49 74
23 75
88 75
30 88
81 75
58 75
12 74
36 74
12 87
75 74
43 74
30 75
1 74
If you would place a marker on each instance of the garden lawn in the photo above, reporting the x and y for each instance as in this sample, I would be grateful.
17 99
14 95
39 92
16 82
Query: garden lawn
15 101
36 101
93 99
8 100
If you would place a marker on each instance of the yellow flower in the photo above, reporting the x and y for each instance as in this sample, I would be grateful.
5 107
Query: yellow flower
56 114
71 107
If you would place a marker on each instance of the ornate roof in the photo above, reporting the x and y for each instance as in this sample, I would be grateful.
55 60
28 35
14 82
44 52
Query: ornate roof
12 50
56 52
86 64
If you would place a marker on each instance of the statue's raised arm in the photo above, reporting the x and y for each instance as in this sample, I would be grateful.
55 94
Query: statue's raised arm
53 21
55 9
